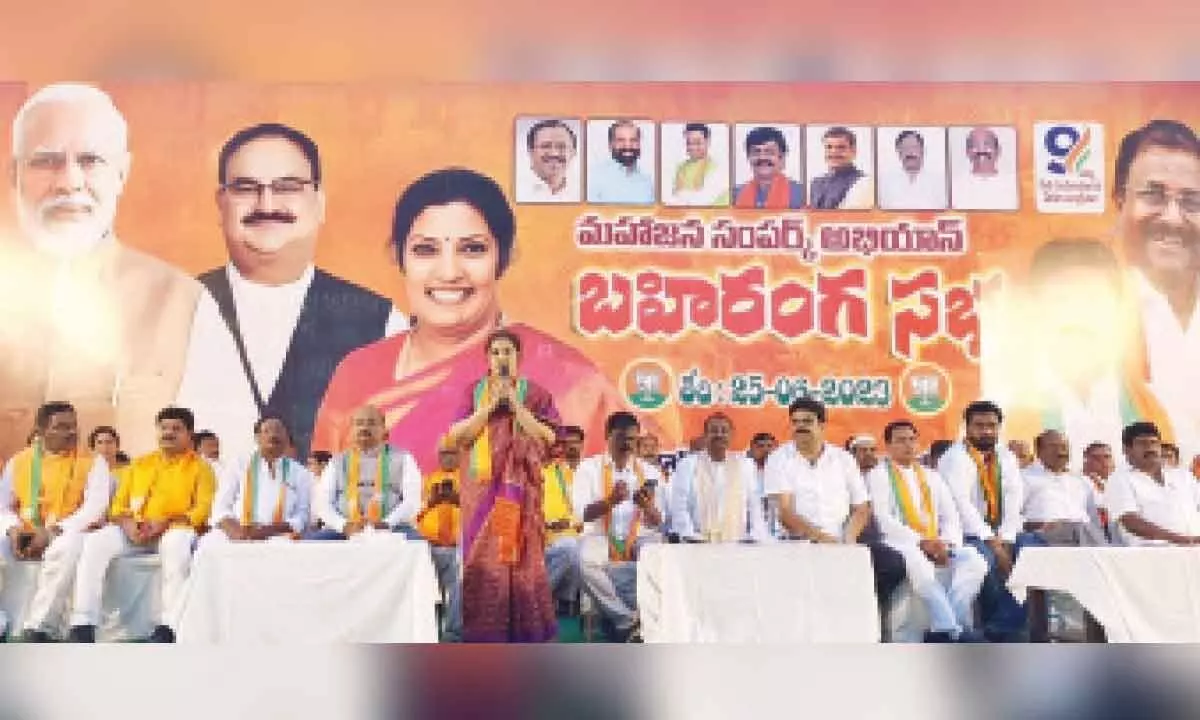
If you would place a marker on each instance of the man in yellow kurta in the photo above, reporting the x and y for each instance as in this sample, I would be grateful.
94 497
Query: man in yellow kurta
440 522
49 494
87 319
563 566
163 499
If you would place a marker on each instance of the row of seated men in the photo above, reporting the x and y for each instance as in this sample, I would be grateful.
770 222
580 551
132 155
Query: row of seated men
971 516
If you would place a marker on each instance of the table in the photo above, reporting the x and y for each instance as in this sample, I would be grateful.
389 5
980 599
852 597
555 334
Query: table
1137 594
776 593
378 589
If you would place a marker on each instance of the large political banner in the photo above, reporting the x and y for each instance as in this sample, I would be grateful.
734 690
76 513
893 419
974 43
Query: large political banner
894 250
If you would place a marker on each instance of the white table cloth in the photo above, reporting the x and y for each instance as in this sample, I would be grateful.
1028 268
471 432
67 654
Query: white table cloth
380 589
776 593
1138 594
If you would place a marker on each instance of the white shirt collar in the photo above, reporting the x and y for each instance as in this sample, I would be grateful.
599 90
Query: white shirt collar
242 286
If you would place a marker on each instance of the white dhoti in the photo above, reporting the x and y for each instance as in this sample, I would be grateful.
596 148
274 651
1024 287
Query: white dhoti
54 580
950 611
107 544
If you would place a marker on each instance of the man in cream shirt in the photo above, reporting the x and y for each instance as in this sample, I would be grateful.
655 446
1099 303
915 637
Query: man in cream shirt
917 517
715 493
87 319
279 326
1152 504
262 496
617 496
913 185
553 172
986 185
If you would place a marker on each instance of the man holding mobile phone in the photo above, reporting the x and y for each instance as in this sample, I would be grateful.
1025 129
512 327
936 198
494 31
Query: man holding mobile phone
49 494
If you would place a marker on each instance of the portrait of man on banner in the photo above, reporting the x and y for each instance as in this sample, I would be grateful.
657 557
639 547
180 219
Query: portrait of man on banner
768 174
983 168
549 154
912 168
841 167
695 164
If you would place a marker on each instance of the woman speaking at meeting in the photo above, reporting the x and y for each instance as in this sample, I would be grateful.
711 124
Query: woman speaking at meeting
506 425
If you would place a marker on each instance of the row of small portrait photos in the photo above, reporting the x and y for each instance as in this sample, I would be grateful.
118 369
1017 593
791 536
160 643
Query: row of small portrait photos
774 166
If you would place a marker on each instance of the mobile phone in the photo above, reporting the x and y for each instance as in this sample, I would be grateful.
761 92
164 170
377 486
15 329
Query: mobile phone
24 540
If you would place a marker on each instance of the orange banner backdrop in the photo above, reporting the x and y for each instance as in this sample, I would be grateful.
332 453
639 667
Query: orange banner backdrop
375 140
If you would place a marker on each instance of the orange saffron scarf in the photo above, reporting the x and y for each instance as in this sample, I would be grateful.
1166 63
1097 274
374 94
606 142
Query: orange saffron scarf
991 482
250 493
622 549
778 195
923 519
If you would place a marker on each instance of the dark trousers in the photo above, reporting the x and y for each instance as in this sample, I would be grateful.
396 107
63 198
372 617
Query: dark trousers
888 566
1002 614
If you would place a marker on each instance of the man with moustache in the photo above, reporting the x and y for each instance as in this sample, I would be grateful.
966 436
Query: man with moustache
86 319
843 186
822 497
1059 506
563 565
700 181
984 187
715 498
616 495
49 495
161 503
1156 188
552 146
263 495
913 186
1152 503
620 181
281 325
985 480
770 188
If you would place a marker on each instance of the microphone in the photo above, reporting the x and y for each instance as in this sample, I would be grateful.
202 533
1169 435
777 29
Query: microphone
504 375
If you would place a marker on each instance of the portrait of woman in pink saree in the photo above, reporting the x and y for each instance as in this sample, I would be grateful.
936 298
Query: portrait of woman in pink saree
453 233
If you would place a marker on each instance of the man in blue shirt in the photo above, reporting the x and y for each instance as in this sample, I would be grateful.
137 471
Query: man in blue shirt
620 181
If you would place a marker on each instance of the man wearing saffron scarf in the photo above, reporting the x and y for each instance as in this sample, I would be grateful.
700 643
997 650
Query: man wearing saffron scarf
372 486
770 188
563 564
843 186
917 518
264 495
700 181
1153 504
49 495
616 495
162 501
822 497
715 495
440 523
985 480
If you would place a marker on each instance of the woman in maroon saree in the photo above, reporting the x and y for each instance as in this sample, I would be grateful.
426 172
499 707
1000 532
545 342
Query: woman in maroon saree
507 425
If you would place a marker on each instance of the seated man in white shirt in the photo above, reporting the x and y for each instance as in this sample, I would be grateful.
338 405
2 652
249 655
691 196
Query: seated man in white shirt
715 494
1152 504
1059 506
917 517
615 494
262 496
821 494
